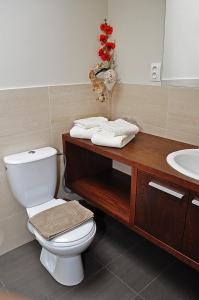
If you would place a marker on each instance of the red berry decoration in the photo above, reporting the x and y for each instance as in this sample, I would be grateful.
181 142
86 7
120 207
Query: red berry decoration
106 52
110 46
103 38
109 29
103 27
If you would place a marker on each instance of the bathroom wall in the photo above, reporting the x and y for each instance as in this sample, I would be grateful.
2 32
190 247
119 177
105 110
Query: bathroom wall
32 118
169 112
48 48
165 111
48 42
139 33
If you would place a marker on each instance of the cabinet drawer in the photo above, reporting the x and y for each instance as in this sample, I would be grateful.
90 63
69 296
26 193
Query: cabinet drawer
191 235
161 209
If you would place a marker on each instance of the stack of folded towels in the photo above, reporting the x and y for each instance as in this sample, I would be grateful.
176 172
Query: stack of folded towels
86 128
102 132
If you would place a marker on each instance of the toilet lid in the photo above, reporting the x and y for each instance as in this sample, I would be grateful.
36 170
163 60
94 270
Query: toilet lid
70 236
75 234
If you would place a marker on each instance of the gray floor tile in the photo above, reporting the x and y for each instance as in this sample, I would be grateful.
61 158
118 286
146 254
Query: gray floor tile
37 284
111 241
141 264
179 282
102 285
18 262
91 265
3 293
31 279
135 263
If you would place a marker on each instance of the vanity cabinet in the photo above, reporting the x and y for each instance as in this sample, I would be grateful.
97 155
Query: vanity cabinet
155 201
191 234
161 209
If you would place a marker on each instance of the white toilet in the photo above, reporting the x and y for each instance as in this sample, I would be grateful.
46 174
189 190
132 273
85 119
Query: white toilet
33 176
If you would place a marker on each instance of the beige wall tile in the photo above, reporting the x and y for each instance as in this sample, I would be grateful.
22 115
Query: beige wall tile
147 128
56 136
68 103
23 142
23 110
144 104
180 135
183 114
14 232
163 111
8 205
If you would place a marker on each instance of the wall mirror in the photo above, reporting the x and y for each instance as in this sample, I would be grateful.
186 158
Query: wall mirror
181 44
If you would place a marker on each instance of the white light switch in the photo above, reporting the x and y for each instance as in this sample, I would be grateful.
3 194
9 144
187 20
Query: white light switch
156 71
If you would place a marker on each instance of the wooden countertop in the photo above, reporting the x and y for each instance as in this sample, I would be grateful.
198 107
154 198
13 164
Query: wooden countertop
146 152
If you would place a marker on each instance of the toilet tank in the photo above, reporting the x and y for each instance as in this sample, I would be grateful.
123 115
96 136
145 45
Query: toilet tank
32 175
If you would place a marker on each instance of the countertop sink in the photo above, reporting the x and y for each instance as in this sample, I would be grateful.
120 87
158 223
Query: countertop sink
185 162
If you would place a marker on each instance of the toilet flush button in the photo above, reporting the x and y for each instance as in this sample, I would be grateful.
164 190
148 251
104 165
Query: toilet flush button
32 152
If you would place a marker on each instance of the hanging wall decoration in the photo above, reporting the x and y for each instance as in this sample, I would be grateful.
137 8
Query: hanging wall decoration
103 76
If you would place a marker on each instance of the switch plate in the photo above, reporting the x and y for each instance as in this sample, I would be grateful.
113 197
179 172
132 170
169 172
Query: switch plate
156 71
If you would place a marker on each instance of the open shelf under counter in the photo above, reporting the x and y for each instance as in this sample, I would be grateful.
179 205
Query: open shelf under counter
108 190
150 210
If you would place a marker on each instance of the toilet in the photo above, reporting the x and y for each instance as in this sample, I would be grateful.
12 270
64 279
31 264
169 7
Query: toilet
33 177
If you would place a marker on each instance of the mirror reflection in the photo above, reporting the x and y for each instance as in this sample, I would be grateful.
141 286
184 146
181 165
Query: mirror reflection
181 43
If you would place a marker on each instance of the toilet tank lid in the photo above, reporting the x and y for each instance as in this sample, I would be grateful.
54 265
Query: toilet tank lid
29 156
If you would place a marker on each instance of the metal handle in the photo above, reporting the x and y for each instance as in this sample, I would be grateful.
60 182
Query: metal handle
195 202
166 190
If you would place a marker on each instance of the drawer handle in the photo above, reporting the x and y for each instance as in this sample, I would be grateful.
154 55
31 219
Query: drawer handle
195 202
166 190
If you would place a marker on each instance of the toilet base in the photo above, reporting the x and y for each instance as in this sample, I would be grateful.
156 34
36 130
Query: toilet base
66 270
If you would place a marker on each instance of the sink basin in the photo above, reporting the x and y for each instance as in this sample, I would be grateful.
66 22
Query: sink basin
185 162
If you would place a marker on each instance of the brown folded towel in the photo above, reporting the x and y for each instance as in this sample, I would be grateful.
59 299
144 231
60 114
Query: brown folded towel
59 219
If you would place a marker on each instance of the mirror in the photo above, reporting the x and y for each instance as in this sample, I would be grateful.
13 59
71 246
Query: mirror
181 43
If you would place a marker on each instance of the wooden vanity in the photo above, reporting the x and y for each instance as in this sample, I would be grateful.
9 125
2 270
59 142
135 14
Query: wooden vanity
155 201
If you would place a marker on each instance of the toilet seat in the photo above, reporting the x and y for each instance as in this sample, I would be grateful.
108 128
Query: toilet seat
31 211
70 238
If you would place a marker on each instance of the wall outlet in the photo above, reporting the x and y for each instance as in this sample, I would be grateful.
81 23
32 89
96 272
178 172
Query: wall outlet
156 71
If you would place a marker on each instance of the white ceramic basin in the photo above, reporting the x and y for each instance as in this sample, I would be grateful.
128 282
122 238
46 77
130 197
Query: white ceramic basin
185 162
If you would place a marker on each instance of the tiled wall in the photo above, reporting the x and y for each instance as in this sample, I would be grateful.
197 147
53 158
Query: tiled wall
32 118
170 112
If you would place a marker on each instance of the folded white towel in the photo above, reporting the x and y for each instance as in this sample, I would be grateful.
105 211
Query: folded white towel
120 127
81 133
102 138
90 122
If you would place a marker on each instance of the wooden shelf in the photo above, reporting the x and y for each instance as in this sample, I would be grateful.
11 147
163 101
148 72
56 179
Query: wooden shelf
129 199
109 191
146 152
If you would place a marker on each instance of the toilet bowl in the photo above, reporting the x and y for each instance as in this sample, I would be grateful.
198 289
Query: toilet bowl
61 256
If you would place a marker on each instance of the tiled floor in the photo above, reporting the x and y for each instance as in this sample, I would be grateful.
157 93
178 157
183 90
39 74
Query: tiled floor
118 265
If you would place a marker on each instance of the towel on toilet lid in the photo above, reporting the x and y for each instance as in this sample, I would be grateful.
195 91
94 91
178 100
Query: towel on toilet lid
60 219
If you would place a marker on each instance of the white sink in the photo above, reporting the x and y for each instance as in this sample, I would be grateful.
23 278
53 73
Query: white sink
185 162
